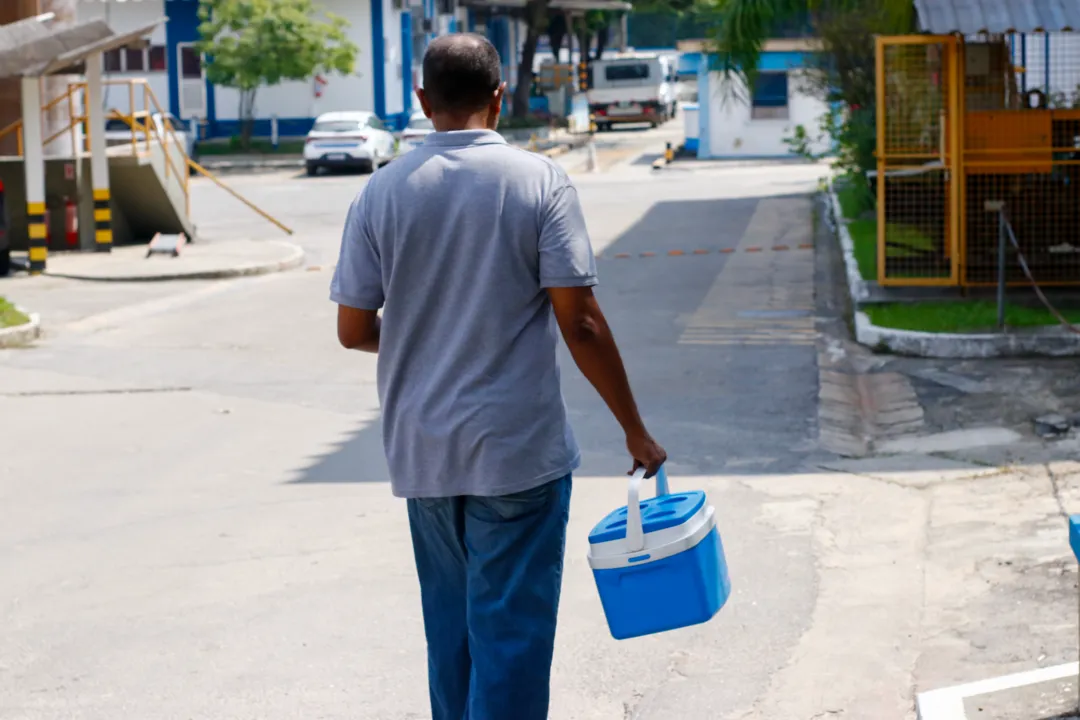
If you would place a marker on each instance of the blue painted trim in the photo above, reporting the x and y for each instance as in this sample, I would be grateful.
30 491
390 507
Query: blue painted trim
378 57
692 144
1024 62
287 127
182 26
470 19
406 62
704 105
1046 66
453 24
1074 535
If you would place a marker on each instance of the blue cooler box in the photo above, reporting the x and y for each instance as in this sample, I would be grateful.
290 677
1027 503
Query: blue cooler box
659 563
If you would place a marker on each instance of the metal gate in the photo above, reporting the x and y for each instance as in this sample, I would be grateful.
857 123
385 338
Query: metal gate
919 187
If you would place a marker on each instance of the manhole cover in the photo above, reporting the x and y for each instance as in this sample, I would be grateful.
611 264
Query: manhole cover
773 314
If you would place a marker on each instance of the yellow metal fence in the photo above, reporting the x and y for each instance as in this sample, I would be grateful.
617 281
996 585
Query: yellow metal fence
963 125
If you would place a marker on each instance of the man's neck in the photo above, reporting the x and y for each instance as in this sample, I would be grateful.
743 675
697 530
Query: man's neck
446 123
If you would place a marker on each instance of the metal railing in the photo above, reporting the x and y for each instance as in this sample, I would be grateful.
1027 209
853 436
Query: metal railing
144 133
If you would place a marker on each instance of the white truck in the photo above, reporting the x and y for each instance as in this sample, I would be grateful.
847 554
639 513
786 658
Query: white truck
633 88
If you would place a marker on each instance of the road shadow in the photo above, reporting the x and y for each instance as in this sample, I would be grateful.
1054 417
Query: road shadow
717 409
730 409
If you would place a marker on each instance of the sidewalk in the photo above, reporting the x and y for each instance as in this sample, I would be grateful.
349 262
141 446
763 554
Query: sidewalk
197 261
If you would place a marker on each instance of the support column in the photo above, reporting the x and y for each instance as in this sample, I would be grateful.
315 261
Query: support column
34 168
99 159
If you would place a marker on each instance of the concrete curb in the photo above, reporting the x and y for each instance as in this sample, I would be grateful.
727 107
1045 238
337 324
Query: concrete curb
860 291
292 163
1049 342
21 334
562 149
1052 342
293 260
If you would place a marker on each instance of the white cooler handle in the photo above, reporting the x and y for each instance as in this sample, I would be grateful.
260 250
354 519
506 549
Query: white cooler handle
635 533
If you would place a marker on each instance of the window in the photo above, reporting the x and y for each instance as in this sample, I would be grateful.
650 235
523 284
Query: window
158 63
770 97
134 60
112 61
190 63
637 71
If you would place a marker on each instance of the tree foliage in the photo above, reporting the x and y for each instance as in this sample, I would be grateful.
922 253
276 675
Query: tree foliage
256 43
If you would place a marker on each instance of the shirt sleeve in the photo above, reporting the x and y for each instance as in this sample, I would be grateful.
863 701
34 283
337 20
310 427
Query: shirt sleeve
566 255
357 279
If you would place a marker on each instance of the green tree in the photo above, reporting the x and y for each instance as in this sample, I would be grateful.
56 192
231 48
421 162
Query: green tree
257 43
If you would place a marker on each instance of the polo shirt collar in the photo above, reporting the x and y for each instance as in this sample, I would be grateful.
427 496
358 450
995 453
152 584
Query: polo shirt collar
464 138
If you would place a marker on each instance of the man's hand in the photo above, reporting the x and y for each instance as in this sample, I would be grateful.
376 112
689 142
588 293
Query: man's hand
646 453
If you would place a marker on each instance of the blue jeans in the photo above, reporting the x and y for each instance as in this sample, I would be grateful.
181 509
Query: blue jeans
490 574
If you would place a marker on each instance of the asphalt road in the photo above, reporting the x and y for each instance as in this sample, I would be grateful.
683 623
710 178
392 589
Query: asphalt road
194 514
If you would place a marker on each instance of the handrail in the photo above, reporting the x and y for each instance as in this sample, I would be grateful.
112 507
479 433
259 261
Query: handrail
206 173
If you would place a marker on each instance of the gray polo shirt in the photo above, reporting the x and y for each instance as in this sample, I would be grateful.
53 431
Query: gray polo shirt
456 241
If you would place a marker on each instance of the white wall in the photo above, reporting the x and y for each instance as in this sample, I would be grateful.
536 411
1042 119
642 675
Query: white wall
732 131
125 17
296 99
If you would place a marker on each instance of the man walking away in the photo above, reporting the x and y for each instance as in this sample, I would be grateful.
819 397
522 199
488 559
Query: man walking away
470 246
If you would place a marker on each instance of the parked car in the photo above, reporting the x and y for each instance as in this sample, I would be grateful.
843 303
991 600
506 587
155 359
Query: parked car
413 135
118 131
357 140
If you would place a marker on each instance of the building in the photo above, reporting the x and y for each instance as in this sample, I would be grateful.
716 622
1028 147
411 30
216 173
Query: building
755 123
391 35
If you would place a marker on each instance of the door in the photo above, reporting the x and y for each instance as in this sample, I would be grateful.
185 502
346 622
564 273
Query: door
919 191
192 82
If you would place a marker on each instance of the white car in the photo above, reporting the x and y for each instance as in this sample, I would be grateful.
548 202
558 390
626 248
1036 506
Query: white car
413 135
348 140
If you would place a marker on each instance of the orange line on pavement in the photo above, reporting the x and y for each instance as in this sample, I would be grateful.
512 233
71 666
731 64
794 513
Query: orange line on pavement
701 252
622 255
648 254
727 250
753 249
806 246
675 253
781 247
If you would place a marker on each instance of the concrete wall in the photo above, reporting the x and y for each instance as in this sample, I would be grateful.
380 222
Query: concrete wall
727 126
125 17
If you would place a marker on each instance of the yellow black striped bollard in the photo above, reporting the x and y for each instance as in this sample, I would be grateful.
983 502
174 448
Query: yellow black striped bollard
35 226
103 234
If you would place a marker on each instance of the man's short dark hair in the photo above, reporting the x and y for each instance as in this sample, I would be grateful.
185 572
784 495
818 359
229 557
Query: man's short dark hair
462 71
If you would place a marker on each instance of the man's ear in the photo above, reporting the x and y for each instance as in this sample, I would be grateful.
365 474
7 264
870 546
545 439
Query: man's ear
424 104
496 106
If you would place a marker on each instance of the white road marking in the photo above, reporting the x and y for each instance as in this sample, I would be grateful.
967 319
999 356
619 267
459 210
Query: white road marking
948 703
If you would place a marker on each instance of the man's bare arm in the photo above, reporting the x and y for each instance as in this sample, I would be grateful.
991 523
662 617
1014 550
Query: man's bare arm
587 335
358 329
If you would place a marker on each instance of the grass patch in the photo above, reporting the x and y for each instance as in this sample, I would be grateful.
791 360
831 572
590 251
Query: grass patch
9 316
961 316
259 146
